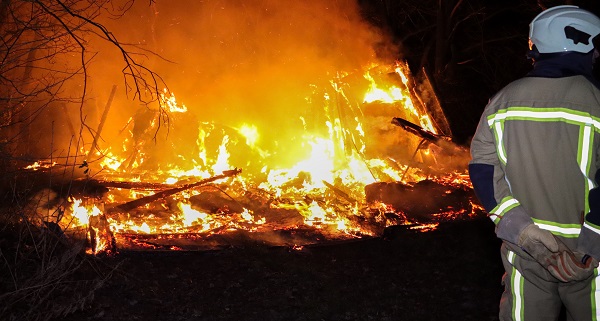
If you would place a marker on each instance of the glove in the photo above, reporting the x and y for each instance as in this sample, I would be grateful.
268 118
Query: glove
546 250
575 266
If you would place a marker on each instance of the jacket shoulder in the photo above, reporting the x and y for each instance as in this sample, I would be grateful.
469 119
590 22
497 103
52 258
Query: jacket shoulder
571 92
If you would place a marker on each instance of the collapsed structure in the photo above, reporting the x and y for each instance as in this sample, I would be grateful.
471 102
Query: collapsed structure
297 127
389 162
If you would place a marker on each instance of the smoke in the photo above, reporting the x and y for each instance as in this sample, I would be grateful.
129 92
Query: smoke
236 54
246 62
232 63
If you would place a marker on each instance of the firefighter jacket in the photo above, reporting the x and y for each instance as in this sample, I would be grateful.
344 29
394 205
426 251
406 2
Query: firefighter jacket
534 157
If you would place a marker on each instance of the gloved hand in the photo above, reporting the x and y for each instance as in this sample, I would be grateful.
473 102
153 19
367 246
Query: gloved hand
575 266
545 249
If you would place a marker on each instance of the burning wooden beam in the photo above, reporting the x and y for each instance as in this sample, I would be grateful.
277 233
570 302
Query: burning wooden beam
416 130
341 193
131 185
151 198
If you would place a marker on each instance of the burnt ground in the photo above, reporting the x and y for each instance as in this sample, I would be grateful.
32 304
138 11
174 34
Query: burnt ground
452 273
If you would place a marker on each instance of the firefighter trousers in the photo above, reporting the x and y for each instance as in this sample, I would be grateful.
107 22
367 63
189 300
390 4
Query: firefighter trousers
531 293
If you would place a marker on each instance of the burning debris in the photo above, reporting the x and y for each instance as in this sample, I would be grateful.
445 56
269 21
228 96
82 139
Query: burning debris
354 175
298 128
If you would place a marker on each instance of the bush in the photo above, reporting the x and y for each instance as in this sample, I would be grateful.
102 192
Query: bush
44 274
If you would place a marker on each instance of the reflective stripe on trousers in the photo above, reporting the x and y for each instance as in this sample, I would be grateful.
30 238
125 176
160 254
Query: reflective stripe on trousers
532 294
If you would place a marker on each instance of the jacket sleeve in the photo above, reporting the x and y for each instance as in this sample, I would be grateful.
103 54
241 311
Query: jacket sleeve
589 238
491 186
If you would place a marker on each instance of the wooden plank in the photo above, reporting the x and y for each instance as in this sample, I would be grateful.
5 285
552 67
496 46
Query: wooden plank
151 198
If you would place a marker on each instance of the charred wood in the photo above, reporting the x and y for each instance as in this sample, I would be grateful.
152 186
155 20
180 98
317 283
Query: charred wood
416 130
226 239
422 200
340 193
216 201
133 185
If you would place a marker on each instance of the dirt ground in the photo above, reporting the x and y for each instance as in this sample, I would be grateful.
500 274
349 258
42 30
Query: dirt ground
451 273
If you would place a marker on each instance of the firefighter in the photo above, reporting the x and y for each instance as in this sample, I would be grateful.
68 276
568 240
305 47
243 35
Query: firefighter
534 167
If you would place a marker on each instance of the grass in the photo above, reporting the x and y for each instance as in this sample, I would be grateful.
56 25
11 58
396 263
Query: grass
44 271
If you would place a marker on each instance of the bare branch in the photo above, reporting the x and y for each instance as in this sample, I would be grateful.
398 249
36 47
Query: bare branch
38 40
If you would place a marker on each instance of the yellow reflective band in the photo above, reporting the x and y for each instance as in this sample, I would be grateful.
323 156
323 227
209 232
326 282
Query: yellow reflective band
499 141
595 296
591 228
505 205
544 114
586 160
516 281
585 148
568 232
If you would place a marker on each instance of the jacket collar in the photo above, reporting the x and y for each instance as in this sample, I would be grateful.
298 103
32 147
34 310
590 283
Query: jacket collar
564 65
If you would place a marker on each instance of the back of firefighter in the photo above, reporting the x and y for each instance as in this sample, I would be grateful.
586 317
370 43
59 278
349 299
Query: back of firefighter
535 155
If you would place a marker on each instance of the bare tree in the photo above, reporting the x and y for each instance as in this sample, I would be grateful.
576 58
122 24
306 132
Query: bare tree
45 57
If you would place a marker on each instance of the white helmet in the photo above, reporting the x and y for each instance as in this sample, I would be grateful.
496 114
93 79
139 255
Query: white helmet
564 28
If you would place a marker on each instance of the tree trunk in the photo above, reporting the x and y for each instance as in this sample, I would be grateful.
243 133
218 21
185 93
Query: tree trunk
441 36
4 4
24 115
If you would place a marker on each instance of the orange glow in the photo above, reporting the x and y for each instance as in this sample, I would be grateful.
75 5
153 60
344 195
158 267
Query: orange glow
39 165
171 102
324 185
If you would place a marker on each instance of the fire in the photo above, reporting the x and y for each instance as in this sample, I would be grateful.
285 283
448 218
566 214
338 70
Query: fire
40 165
171 103
111 162
323 189
375 93
250 132
394 94
81 213
222 162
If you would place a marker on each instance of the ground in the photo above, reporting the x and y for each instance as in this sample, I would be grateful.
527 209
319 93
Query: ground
451 273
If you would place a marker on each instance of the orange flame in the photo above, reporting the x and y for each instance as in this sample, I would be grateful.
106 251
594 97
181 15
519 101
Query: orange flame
335 163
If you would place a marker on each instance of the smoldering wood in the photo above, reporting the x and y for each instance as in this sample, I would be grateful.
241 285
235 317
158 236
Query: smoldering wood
283 227
132 185
216 201
82 188
27 183
227 239
442 145
340 193
151 198
421 200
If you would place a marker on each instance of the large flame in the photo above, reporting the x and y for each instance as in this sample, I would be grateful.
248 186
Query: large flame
326 185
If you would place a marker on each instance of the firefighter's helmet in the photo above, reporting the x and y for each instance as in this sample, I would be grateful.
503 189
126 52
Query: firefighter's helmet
563 29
